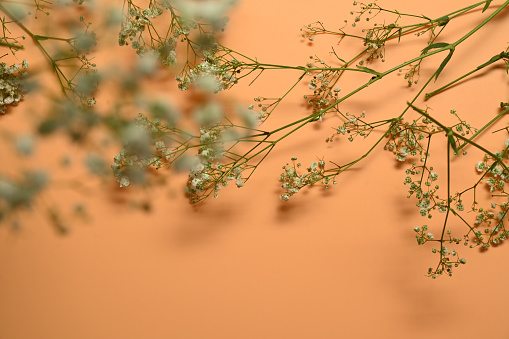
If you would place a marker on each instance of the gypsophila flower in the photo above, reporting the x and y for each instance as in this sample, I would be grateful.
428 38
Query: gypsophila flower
11 84
124 182
25 144
501 215
481 165
284 197
496 171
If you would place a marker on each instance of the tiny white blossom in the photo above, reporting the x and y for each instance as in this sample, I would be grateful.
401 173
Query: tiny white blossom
480 166
284 197
124 182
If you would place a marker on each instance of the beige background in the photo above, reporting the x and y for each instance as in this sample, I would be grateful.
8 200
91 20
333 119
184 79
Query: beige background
341 263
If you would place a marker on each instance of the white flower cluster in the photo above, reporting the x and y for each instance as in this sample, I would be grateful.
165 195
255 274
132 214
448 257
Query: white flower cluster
137 153
204 17
375 46
136 24
211 11
321 84
212 149
495 234
207 174
132 29
207 177
251 117
353 126
483 216
405 140
212 75
21 193
11 84
496 176
265 108
425 191
422 235
96 164
128 166
424 203
164 52
292 181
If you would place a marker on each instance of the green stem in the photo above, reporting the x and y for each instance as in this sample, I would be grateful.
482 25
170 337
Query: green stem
6 44
43 37
448 200
484 127
41 47
484 22
459 136
492 60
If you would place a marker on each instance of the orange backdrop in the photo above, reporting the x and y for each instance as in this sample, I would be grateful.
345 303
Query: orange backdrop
337 263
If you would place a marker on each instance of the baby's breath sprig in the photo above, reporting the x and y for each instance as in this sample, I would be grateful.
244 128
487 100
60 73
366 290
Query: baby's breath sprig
17 194
77 83
425 191
495 173
8 39
41 6
406 139
210 156
357 126
190 24
265 107
293 181
137 21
